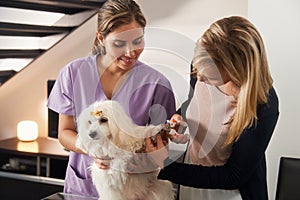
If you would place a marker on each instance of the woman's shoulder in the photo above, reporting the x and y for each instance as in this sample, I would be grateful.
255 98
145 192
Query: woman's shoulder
272 105
151 72
273 100
79 64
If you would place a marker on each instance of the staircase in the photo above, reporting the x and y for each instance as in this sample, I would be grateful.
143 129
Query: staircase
28 28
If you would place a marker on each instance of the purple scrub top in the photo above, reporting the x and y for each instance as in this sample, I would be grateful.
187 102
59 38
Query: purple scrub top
146 96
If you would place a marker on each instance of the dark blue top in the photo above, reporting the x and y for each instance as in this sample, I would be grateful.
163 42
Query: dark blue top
246 167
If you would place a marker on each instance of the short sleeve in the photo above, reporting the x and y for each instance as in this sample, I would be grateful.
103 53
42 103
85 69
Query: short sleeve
61 97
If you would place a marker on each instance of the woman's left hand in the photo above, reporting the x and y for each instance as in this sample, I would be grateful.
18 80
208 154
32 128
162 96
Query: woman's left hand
157 151
103 163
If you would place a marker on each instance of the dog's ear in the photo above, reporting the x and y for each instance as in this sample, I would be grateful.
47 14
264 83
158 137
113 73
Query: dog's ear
122 120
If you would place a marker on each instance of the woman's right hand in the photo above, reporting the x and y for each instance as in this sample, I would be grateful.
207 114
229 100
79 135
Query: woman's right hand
180 125
176 118
103 163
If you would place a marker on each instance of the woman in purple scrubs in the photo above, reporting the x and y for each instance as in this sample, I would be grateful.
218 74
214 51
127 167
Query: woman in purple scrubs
112 73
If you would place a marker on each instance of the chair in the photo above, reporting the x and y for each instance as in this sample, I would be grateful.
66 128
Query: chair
288 182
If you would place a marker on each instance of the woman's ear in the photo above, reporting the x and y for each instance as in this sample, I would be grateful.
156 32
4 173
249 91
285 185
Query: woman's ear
99 42
99 37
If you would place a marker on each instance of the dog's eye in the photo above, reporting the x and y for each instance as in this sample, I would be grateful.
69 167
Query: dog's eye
103 119
90 122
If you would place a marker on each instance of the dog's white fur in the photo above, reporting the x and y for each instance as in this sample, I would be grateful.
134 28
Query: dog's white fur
118 138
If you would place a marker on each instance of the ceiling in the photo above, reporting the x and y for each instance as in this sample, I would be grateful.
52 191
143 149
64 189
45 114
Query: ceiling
28 28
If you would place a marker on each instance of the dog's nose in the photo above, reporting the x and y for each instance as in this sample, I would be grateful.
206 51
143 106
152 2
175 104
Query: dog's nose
93 134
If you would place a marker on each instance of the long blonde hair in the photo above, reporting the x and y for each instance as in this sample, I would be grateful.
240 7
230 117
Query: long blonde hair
115 13
235 47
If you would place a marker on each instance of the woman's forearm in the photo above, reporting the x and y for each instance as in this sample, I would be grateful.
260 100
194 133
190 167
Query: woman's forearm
67 134
68 139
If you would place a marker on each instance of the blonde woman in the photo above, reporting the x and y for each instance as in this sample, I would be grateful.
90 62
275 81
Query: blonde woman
115 73
232 112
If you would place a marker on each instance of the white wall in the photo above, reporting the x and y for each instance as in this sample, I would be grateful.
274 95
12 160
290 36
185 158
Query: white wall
23 97
189 17
279 24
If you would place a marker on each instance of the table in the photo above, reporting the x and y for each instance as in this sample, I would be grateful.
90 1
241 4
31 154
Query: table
64 196
42 147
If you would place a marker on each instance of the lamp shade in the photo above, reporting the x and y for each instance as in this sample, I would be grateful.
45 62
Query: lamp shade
27 130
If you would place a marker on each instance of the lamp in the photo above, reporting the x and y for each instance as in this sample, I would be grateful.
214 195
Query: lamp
27 130
32 147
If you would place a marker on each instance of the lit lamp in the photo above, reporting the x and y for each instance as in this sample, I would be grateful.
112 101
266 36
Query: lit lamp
27 130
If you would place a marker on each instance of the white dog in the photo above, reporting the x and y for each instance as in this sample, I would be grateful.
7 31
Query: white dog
105 130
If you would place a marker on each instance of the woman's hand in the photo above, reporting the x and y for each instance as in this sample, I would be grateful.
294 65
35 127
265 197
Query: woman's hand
176 118
179 138
157 151
180 126
103 162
